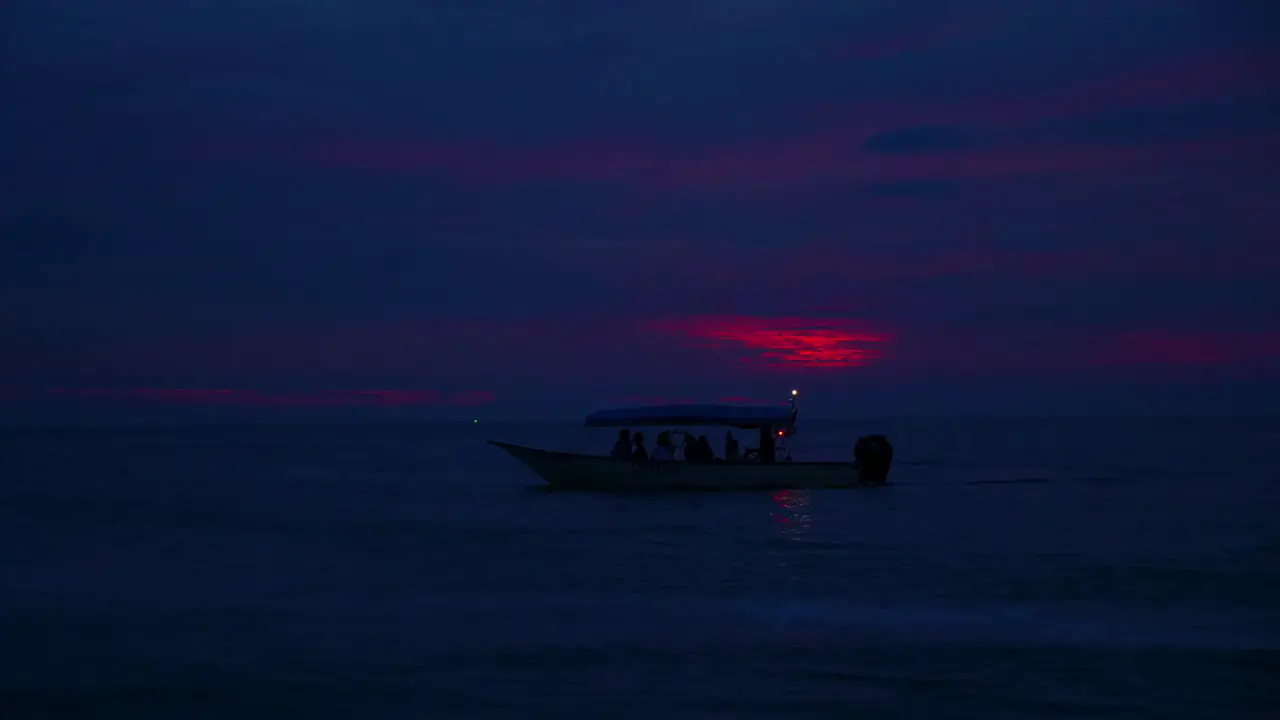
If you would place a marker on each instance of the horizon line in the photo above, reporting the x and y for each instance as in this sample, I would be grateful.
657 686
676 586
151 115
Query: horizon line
578 422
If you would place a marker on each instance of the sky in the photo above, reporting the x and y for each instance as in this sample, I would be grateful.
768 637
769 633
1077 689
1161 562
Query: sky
536 208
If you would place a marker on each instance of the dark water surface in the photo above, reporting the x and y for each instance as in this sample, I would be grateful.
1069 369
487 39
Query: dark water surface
1019 569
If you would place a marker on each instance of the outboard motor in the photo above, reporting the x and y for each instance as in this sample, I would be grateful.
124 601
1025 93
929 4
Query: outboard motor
872 456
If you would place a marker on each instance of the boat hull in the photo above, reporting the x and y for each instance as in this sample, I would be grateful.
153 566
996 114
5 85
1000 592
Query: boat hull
574 471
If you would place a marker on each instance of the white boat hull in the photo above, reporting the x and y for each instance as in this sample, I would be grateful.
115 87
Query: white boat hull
574 471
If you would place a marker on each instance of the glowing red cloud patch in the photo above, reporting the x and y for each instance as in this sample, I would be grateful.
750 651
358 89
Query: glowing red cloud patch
254 398
783 342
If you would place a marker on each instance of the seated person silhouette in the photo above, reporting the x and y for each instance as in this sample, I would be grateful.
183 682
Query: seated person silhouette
689 447
664 450
622 448
705 453
731 451
698 450
639 453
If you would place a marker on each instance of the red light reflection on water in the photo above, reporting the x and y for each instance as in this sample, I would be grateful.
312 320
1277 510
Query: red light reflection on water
793 511
822 343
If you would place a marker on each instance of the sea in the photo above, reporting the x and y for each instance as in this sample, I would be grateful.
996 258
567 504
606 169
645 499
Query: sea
1012 568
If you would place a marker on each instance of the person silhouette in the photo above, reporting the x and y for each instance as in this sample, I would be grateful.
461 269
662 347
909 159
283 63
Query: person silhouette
622 448
639 453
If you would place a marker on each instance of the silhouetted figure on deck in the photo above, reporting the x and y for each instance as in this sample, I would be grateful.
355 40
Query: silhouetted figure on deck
698 450
732 453
664 449
687 448
622 448
872 456
705 453
639 453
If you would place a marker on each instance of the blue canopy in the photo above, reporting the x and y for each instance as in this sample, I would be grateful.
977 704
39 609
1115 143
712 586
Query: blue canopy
739 416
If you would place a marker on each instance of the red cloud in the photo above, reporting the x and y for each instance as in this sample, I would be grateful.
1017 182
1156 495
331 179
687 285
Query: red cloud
254 398
798 343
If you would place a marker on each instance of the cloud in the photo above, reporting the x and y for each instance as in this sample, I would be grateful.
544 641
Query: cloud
909 188
929 36
685 399
788 342
1068 130
1045 351
656 400
1141 262
1215 75
886 276
256 398
773 166
1191 350
697 134
920 139
1148 124
681 358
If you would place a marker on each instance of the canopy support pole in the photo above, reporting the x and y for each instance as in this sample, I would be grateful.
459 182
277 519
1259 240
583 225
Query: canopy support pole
768 448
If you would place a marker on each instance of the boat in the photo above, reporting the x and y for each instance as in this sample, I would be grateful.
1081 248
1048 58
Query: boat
760 468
